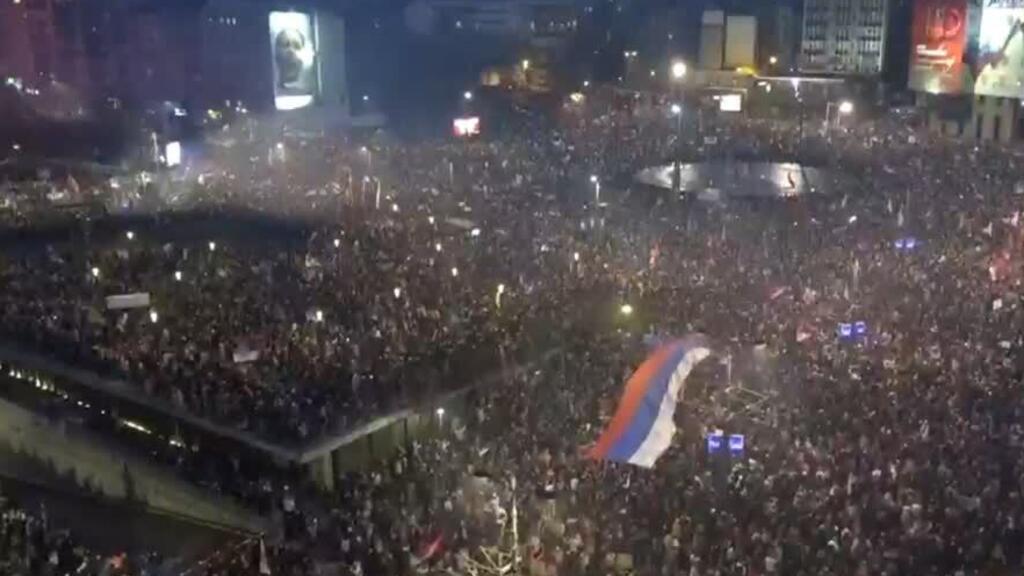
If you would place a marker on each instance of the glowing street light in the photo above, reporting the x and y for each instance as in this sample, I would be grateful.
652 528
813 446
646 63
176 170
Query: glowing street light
676 109
437 247
397 292
773 60
95 272
678 70
467 95
526 65
129 235
626 310
455 272
212 246
846 107
337 242
597 188
319 315
177 275
497 295
154 317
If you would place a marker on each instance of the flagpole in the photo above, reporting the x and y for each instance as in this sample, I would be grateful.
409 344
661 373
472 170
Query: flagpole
515 529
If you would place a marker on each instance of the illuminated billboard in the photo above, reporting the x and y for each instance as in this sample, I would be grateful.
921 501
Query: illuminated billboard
172 154
1001 49
465 127
730 103
939 37
294 58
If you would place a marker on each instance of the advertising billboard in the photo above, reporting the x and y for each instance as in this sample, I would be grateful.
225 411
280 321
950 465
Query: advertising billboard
1001 49
939 37
296 67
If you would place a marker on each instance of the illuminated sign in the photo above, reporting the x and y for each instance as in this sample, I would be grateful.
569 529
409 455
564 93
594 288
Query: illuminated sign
730 103
294 59
1001 50
939 35
172 154
464 127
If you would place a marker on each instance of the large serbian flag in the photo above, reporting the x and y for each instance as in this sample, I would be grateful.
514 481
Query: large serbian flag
643 425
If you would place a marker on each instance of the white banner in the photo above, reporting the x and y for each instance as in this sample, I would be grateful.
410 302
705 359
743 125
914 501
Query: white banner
128 301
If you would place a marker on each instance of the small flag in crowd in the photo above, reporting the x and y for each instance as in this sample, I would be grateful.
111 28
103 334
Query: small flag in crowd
264 561
430 549
643 425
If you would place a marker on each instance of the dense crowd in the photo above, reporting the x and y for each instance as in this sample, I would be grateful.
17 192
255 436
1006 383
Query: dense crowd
892 451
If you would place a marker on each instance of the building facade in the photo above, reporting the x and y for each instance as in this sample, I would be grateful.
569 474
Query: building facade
539 21
844 36
778 38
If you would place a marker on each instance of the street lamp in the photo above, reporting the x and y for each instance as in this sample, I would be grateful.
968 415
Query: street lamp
467 95
844 108
796 93
773 60
677 111
597 189
369 157
678 70
526 65
626 310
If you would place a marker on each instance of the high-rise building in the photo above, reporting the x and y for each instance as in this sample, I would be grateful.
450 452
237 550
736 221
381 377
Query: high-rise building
844 36
727 41
29 47
712 40
778 37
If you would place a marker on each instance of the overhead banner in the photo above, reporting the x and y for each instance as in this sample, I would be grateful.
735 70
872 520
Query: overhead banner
1001 49
128 301
939 37
296 68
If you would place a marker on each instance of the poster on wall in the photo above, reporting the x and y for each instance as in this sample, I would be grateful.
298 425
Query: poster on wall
294 60
939 37
1001 49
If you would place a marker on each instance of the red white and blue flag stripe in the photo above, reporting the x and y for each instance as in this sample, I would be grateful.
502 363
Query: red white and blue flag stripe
643 426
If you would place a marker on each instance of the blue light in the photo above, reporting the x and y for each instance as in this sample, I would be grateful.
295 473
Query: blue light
860 328
845 330
715 443
736 444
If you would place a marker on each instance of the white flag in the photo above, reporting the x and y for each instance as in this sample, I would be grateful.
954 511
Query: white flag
264 562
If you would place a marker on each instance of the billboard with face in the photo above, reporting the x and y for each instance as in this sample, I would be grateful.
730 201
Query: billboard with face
939 36
295 63
1001 49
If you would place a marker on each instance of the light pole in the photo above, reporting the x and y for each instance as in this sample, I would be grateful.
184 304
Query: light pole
844 108
369 158
597 189
677 111
800 102
467 96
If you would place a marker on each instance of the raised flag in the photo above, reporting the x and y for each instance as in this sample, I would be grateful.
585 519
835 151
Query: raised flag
643 426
